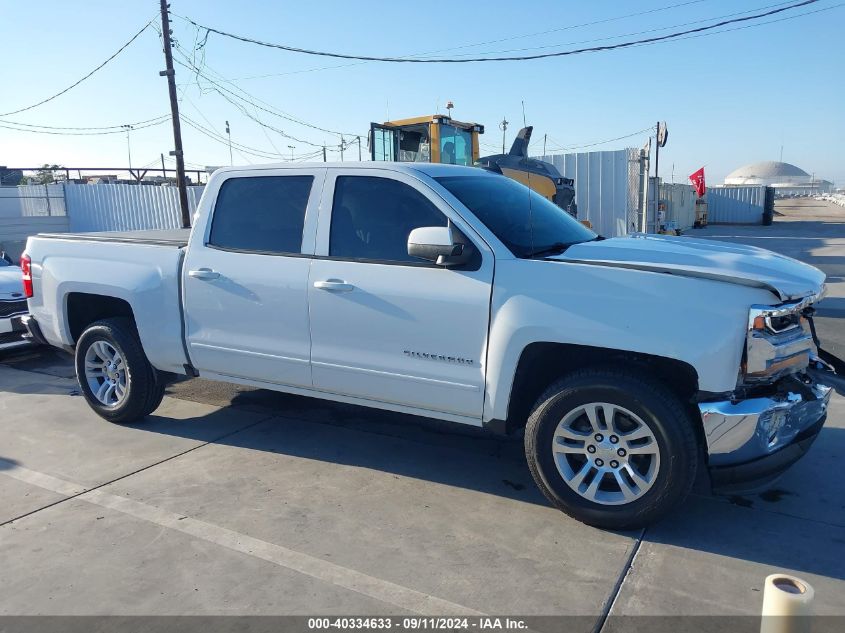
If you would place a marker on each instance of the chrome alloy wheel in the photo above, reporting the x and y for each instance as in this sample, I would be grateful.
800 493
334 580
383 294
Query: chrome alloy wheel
105 373
606 453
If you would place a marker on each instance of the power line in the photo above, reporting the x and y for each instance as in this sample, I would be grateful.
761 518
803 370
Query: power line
223 92
251 99
496 41
610 140
258 153
631 34
592 49
211 125
578 26
154 120
3 124
79 81
748 26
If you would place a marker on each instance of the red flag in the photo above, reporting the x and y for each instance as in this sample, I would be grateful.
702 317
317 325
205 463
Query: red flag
697 180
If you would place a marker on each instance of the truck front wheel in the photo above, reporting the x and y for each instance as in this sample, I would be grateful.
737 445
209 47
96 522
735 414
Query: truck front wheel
114 374
611 448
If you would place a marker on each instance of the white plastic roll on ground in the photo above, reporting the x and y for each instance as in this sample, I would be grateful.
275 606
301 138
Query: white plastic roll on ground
787 605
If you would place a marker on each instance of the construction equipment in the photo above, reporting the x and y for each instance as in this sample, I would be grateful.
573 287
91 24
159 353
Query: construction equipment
542 177
440 139
427 139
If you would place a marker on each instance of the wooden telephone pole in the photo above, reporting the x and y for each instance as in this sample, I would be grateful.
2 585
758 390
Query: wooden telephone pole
174 114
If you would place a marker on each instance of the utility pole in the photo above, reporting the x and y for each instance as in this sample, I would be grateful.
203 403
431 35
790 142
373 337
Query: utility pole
291 148
359 149
163 168
342 147
504 127
545 137
128 127
229 134
174 115
661 136
656 177
324 153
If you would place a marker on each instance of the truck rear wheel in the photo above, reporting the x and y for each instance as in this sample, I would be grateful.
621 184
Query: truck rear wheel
114 374
611 448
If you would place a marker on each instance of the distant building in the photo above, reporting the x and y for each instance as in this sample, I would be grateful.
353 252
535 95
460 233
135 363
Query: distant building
102 179
10 177
786 179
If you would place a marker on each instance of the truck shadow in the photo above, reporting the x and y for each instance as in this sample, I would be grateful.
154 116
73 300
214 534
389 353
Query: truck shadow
799 524
405 445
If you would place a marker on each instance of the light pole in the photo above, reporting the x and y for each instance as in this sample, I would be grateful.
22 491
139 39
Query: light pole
291 148
229 134
128 127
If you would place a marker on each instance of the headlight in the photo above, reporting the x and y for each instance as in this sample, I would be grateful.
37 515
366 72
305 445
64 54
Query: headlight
779 342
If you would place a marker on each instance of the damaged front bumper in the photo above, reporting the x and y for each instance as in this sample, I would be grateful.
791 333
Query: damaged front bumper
751 442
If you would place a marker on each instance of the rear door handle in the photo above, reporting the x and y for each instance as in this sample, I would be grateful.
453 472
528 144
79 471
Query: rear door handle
334 285
203 273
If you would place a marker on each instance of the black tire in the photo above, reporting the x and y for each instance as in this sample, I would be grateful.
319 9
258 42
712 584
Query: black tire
656 406
156 394
144 386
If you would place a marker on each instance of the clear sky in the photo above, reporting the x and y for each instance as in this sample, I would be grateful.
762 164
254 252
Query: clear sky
729 99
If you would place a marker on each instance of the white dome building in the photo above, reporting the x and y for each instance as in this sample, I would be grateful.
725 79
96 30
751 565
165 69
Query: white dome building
786 179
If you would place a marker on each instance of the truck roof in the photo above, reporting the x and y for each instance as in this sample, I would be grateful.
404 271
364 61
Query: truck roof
430 169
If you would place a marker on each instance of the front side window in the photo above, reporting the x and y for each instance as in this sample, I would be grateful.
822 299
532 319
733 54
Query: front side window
383 140
372 217
261 214
455 145
526 222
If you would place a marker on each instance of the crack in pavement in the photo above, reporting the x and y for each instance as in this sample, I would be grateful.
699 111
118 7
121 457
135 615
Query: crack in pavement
617 587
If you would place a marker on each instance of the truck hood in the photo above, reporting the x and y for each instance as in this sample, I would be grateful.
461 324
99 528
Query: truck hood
11 286
708 259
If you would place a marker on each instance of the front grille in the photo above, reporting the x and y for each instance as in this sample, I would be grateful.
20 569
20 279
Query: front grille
10 308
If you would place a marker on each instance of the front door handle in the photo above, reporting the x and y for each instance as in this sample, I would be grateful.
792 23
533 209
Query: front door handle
334 285
203 273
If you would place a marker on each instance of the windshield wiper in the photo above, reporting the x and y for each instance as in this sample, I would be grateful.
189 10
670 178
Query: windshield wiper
553 249
557 248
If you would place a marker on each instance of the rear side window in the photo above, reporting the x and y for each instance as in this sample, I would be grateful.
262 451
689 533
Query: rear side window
264 214
372 217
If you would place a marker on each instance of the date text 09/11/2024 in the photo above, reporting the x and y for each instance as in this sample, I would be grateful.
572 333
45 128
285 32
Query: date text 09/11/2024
418 623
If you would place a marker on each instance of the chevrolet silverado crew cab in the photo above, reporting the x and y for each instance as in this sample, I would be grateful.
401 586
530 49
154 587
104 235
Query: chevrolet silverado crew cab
632 364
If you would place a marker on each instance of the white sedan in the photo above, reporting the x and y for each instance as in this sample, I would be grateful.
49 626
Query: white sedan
12 307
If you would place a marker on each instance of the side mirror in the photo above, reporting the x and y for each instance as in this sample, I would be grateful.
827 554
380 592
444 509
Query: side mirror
437 244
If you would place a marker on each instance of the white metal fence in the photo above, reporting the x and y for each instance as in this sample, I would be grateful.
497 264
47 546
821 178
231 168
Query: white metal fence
58 208
32 201
607 188
736 205
126 207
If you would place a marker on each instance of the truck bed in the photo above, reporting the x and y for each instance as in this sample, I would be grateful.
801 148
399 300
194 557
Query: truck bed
141 268
177 238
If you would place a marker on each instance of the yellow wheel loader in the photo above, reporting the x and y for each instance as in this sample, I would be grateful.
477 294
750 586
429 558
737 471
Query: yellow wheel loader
440 139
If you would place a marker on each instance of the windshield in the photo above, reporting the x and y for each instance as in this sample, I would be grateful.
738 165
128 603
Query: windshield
526 228
3 262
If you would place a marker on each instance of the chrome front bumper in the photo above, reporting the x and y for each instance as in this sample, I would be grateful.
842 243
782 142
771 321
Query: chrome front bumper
748 430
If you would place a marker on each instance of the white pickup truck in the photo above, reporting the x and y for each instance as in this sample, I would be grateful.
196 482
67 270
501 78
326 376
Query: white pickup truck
632 364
